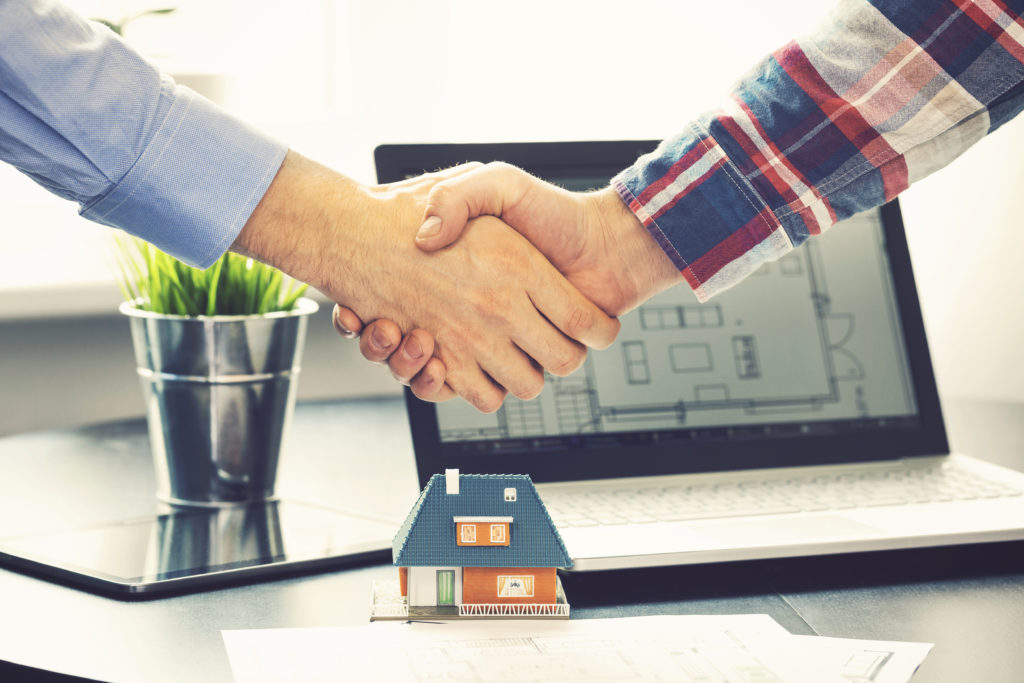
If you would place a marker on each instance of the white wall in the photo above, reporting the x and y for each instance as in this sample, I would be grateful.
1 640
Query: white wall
966 232
422 587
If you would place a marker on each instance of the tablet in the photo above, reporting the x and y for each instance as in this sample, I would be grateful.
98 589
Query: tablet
188 549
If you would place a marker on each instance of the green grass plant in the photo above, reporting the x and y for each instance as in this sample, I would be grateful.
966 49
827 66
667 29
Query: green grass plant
234 285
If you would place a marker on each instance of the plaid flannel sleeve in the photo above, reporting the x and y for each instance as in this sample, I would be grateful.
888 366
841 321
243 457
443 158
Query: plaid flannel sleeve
884 93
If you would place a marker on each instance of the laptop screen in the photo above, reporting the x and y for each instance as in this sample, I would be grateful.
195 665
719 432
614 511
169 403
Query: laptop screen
813 357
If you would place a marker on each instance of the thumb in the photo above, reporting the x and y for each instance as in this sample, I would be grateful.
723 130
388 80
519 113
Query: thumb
444 220
484 191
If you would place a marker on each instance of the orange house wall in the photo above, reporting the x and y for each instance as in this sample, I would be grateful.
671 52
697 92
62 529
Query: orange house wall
480 585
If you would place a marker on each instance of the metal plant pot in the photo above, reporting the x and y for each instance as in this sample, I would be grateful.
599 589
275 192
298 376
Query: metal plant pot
219 396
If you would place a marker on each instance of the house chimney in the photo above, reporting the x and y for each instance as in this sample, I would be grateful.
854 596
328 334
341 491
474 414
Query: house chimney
451 481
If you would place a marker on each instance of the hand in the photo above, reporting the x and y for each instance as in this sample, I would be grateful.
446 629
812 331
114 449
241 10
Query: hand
499 312
408 359
593 238
383 339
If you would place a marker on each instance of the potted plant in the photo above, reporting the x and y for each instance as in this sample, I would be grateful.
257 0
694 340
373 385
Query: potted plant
218 354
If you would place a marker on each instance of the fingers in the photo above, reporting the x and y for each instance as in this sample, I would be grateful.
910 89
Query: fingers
379 340
412 355
517 373
413 364
410 359
485 388
346 322
410 362
486 190
475 386
429 384
575 315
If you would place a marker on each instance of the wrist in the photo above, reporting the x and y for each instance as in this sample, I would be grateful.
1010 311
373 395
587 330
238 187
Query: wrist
644 267
306 212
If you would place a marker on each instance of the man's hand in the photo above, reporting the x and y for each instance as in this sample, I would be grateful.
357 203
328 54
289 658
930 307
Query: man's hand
593 238
496 309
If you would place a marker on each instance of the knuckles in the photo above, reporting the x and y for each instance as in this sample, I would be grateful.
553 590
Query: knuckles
485 401
502 167
580 322
530 389
610 335
493 305
567 362
440 195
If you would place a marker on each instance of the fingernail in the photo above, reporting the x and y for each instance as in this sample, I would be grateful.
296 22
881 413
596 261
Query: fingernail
342 330
413 348
379 340
430 228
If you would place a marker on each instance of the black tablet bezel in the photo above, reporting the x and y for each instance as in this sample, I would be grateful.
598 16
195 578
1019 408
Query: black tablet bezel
589 460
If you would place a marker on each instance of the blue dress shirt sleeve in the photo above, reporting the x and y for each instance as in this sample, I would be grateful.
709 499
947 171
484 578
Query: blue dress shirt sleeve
92 121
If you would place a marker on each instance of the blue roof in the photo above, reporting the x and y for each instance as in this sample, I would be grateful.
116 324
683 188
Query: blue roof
427 537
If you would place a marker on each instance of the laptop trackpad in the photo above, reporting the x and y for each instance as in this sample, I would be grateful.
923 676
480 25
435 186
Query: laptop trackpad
610 541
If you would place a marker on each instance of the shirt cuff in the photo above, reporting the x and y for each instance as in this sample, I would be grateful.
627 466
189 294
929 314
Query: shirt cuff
196 183
701 210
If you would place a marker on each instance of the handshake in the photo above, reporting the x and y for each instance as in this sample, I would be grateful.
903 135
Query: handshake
475 280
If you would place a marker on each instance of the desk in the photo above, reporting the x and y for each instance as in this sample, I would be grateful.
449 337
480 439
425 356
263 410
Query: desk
357 454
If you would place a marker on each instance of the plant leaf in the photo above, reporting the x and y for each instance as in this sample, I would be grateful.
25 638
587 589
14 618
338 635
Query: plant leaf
233 285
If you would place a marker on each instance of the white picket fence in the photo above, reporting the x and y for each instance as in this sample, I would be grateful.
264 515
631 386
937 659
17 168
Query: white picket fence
387 601
389 610
505 610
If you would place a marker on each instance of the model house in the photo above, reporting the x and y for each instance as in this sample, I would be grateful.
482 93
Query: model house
480 545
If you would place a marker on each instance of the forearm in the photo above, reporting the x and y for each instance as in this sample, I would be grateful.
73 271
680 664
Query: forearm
305 209
336 234
92 121
825 128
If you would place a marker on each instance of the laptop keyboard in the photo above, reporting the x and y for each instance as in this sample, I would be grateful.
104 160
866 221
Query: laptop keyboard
640 504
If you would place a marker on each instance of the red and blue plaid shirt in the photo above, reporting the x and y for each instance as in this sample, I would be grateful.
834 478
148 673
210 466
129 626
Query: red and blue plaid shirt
884 93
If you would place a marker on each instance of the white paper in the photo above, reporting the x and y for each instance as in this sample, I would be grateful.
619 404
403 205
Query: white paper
850 661
709 649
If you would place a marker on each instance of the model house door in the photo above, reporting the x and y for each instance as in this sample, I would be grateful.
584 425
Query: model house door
446 587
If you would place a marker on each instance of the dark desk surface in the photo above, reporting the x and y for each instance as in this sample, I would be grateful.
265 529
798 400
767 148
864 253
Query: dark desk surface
357 454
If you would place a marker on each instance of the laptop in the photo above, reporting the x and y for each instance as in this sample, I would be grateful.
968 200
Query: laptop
795 414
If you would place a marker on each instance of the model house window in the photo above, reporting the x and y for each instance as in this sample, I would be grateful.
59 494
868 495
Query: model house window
515 586
510 495
482 531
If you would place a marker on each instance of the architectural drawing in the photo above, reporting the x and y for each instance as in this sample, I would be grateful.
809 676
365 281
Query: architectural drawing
690 357
815 338
634 359
737 648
